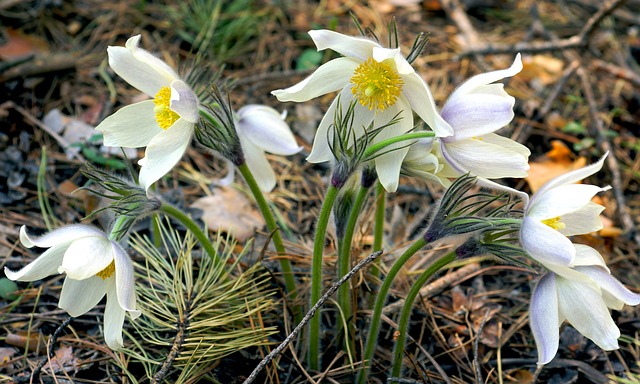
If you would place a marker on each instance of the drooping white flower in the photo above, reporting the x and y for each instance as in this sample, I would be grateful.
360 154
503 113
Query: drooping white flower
94 265
164 125
385 86
578 287
475 110
561 208
582 295
261 128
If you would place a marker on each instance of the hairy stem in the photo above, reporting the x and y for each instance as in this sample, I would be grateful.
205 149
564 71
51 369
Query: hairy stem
405 316
344 265
378 228
332 289
374 327
202 237
316 275
285 264
377 147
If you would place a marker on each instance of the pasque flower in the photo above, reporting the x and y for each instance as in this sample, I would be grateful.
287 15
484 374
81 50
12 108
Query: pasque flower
561 208
578 287
94 266
475 110
164 124
385 86
261 128
582 295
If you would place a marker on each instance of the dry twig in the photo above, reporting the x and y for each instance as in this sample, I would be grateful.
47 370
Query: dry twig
307 317
580 40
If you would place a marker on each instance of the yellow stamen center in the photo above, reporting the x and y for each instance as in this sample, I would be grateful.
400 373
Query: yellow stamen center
108 271
164 115
555 223
376 85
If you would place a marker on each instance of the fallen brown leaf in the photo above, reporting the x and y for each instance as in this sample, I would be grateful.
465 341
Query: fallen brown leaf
229 210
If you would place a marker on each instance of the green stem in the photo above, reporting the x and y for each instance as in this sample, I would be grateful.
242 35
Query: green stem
316 275
202 238
379 146
374 327
285 264
344 266
378 228
405 316
120 220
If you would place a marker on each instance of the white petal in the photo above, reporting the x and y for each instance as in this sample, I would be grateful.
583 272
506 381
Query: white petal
184 101
80 296
266 129
400 63
507 143
587 256
62 235
477 115
258 165
569 178
329 77
582 305
545 244
124 280
113 320
388 165
485 159
140 68
584 220
164 152
349 46
486 183
321 151
610 284
132 126
562 200
544 318
488 78
86 257
421 101
45 265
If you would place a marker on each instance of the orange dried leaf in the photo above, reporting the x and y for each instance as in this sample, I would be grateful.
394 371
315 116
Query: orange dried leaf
544 69
557 161
19 45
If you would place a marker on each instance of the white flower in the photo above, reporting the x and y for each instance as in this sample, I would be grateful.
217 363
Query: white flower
164 125
581 295
94 265
475 110
559 209
383 83
578 287
261 128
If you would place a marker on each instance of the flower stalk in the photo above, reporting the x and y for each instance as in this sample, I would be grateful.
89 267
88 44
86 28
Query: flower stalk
263 206
374 327
316 275
344 265
378 226
202 237
403 324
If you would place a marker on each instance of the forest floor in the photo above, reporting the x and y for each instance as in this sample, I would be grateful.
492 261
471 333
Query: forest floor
577 98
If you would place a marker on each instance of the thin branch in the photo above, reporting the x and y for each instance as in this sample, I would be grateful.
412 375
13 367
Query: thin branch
578 41
51 351
181 334
612 163
332 289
